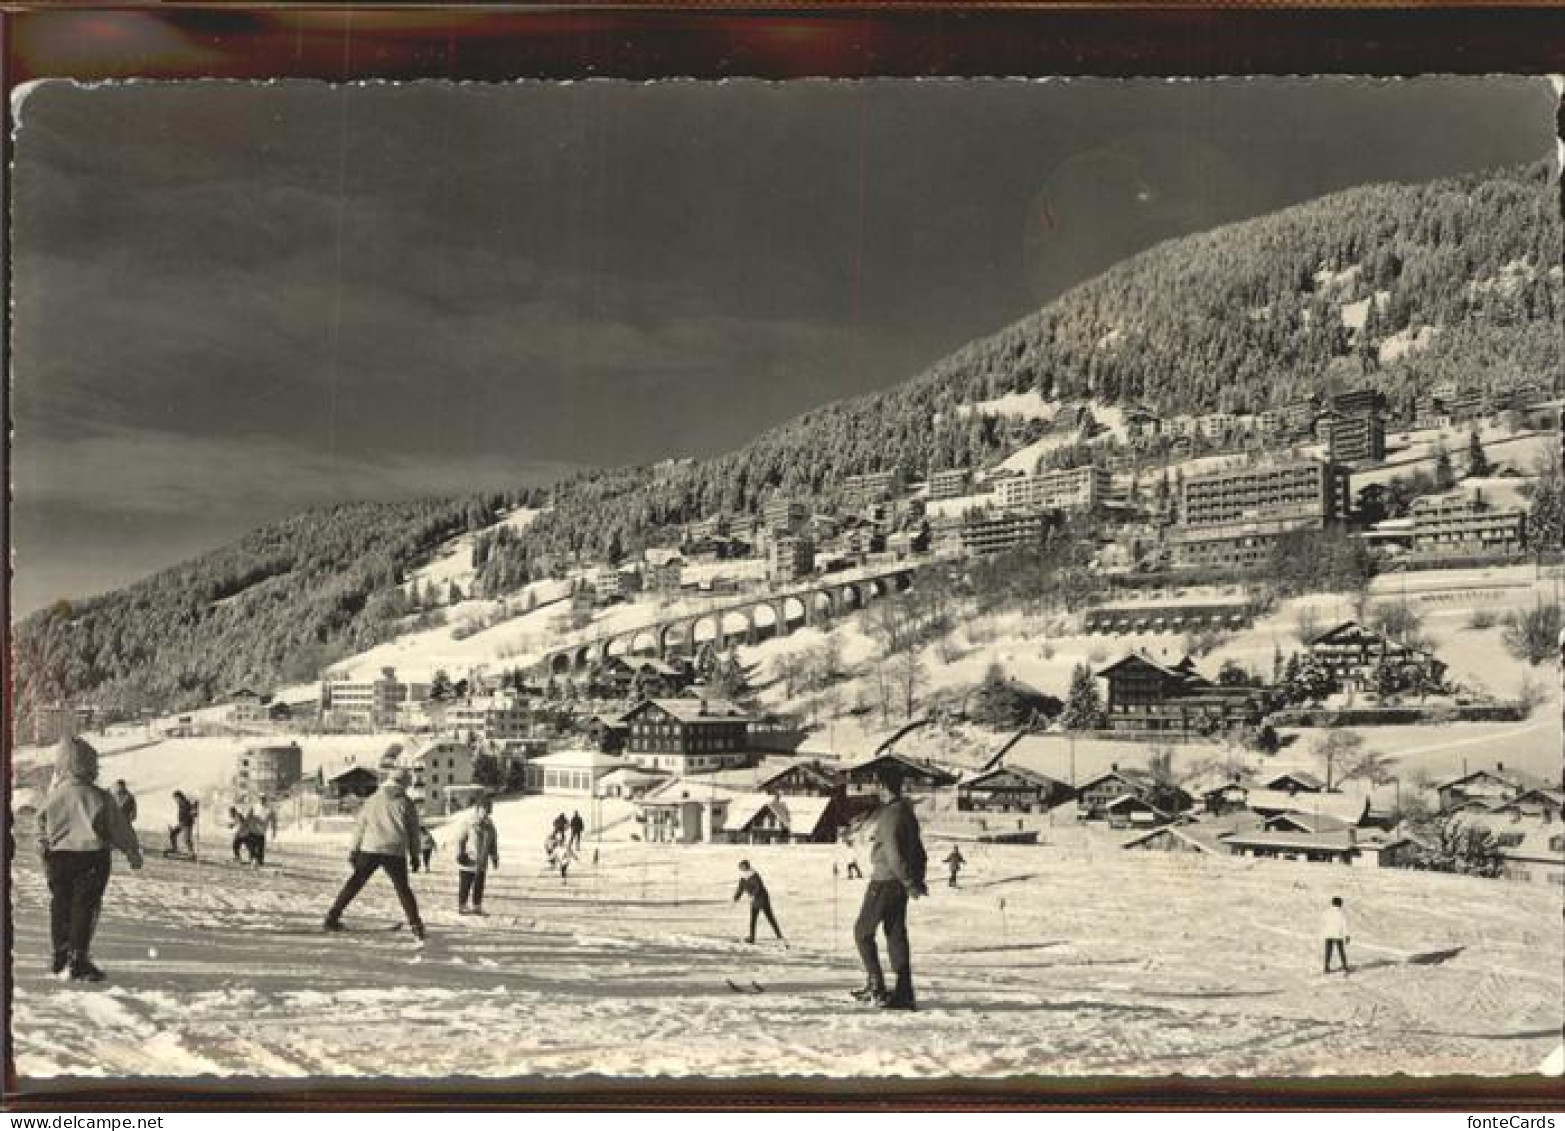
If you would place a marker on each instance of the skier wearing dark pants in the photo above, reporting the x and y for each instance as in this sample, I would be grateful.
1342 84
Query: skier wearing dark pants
897 865
386 837
476 851
78 826
751 884
184 824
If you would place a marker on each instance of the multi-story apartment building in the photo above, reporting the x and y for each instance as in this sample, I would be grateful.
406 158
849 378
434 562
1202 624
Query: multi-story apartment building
1076 488
789 559
1233 518
1468 523
369 703
949 484
268 769
783 515
614 583
1358 437
871 487
491 719
439 767
993 534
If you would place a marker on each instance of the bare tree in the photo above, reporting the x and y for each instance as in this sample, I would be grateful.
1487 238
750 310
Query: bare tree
910 679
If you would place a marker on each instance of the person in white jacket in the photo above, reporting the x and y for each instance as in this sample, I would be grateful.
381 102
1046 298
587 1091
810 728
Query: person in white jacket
78 826
385 838
1334 929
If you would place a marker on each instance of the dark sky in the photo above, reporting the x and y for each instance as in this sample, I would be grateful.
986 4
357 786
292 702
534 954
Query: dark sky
233 301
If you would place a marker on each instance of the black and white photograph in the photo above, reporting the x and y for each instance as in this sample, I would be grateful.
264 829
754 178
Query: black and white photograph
870 580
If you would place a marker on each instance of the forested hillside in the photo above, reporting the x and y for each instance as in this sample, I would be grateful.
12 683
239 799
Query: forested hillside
277 604
1394 286
1454 279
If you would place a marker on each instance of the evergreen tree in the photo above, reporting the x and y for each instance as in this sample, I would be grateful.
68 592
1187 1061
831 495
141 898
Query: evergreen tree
1477 462
1445 474
1083 707
440 687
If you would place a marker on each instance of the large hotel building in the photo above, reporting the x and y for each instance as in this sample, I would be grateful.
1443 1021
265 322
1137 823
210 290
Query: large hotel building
1232 519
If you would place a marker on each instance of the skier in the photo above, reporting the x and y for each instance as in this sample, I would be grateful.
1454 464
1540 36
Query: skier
426 845
853 870
126 800
577 827
955 861
477 849
751 884
239 825
184 825
78 826
385 838
897 863
560 856
262 820
1334 929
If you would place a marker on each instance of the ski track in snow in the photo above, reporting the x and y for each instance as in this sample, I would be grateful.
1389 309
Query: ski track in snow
625 972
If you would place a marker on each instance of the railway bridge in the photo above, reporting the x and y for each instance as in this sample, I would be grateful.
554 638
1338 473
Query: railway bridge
746 621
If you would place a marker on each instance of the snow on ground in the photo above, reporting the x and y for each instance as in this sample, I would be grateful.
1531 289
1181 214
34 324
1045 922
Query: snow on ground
1029 405
1406 341
453 561
1410 451
1073 957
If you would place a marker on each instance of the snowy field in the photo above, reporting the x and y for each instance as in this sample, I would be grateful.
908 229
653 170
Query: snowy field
1072 957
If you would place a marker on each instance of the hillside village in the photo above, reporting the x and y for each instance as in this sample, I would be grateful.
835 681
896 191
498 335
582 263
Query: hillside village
742 686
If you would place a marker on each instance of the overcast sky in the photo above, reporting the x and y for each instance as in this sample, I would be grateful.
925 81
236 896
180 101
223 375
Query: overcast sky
235 301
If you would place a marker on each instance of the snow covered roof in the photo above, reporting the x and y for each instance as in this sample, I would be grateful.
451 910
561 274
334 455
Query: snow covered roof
1348 807
693 710
803 815
580 760
746 807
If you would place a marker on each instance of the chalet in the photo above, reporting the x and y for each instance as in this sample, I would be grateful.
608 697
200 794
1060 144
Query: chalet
681 812
1306 823
1225 797
643 677
918 776
355 781
1173 616
1487 786
1351 809
1353 653
766 819
1341 846
609 733
1542 805
1130 810
629 782
1011 789
246 707
684 735
1536 857
1094 798
1148 697
1295 781
1207 837
800 779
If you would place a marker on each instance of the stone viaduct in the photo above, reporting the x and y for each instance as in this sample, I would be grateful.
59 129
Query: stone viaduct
745 621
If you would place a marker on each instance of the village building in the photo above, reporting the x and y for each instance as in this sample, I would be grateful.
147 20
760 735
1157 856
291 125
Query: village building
980 534
1204 837
1148 697
1340 846
1132 810
1294 781
663 570
1353 653
629 782
918 776
1076 488
871 487
489 720
614 583
1175 615
783 515
571 773
442 770
1488 787
1480 518
1534 856
247 708
789 560
1010 789
684 736
268 769
354 782
1233 518
1093 797
950 484
368 704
